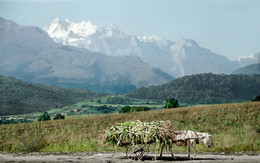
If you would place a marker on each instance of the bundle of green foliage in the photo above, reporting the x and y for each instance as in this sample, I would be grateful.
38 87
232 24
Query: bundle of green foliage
128 109
44 117
171 103
59 116
137 132
257 98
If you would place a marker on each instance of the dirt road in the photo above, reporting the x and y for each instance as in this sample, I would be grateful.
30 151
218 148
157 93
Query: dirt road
120 157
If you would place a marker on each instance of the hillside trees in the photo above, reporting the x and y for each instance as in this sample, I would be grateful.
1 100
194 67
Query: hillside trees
205 88
18 97
118 100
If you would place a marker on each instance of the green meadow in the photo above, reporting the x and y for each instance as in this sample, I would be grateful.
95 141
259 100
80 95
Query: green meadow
235 127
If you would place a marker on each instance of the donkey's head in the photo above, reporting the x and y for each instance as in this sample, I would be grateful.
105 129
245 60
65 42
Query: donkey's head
207 140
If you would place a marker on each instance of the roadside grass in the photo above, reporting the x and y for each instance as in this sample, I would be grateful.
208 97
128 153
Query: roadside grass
235 127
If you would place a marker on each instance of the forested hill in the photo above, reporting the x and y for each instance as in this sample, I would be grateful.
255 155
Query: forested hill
18 97
204 88
250 69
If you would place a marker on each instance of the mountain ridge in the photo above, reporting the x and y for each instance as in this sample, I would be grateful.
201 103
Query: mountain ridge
184 57
29 54
249 69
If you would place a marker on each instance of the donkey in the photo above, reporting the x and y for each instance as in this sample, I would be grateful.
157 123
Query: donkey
205 137
189 138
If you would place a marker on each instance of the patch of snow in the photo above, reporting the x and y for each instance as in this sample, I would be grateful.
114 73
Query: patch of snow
83 28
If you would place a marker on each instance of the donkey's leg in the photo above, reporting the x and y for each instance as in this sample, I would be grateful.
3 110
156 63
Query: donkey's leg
157 153
188 149
172 152
161 151
194 146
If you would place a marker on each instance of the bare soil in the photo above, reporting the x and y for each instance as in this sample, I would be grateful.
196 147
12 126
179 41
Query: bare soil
120 157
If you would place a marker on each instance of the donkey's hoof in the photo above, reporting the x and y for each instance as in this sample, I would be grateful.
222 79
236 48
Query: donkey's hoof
154 159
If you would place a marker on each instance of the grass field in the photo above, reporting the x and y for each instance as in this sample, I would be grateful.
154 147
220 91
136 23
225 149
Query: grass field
235 127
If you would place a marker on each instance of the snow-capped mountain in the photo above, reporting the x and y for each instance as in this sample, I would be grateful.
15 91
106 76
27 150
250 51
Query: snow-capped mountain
179 58
85 35
29 54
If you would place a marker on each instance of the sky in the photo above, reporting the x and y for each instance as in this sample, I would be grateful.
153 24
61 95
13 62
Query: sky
226 27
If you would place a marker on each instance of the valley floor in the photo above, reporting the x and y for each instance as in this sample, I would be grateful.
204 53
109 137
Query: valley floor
95 157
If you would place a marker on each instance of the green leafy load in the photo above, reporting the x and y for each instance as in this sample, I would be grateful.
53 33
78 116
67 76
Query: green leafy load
137 132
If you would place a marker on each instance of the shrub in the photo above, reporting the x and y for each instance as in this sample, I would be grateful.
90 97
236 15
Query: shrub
128 109
139 108
31 144
59 116
44 117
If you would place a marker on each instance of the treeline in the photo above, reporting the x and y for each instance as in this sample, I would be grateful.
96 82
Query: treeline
89 109
128 109
12 120
205 88
118 100
18 97
109 87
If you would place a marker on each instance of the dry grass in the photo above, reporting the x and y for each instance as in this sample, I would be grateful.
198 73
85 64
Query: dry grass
235 127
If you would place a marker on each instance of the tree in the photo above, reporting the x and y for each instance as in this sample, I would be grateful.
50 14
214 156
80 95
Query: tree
98 101
125 109
257 98
171 103
59 116
44 117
